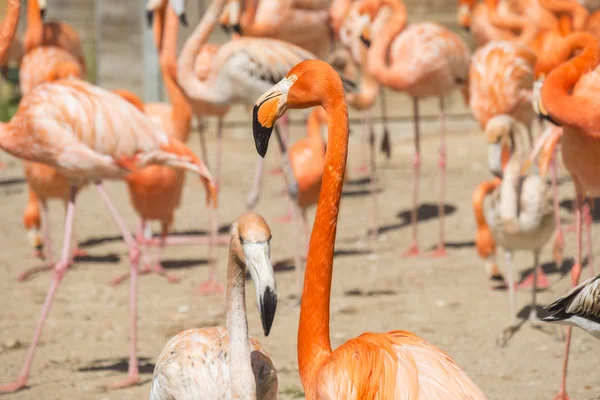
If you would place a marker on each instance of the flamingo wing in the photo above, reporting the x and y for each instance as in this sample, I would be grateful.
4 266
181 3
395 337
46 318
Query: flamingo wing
393 365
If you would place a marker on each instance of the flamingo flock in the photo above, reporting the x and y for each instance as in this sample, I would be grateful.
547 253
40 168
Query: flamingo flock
529 83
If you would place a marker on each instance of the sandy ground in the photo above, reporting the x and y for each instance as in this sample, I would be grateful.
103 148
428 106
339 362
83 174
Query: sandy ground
446 301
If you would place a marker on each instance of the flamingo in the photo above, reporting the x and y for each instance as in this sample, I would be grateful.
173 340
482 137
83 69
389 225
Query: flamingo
87 134
396 364
580 307
484 240
338 9
568 98
302 22
520 213
223 362
240 71
474 16
426 60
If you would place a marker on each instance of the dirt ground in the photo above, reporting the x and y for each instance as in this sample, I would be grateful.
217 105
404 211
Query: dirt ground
446 301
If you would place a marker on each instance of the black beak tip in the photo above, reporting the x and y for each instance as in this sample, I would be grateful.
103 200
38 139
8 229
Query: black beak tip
149 18
467 28
551 120
365 41
43 13
39 247
225 28
183 19
268 307
237 28
261 134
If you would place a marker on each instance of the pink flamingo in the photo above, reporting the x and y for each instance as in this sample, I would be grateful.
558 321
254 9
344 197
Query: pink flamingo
87 134
426 60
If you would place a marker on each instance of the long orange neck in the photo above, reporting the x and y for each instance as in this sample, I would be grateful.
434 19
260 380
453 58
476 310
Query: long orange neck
35 26
314 346
576 11
482 191
9 27
378 54
181 113
516 23
158 25
565 108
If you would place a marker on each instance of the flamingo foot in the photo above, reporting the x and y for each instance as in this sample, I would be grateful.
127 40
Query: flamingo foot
562 396
23 276
210 287
575 274
80 253
362 169
14 386
507 333
285 219
160 270
440 251
542 281
275 171
412 251
131 380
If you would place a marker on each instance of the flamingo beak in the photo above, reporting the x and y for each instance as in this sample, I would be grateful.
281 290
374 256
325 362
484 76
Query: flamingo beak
267 110
538 103
42 5
495 158
364 27
261 271
149 18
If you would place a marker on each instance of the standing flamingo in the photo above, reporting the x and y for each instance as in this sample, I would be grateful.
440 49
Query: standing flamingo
426 60
397 364
569 98
223 362
87 134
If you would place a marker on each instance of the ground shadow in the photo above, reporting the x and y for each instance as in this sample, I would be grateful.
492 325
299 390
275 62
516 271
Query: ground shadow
358 181
12 181
184 264
369 293
110 258
569 205
360 192
426 211
455 245
118 365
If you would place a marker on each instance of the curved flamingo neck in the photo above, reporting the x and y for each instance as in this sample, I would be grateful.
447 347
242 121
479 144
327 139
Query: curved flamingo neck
479 196
181 110
556 92
248 16
158 25
9 27
195 88
378 54
576 11
243 384
526 29
314 346
35 26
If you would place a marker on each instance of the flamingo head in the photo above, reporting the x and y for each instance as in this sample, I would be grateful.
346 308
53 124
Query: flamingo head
251 244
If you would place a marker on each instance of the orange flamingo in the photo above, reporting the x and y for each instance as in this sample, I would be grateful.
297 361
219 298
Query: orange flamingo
426 60
396 364
302 22
484 240
568 97
474 16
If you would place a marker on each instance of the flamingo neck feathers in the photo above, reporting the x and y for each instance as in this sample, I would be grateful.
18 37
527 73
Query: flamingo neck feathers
576 111
314 346
479 196
181 110
194 87
9 27
247 22
35 26
378 55
243 384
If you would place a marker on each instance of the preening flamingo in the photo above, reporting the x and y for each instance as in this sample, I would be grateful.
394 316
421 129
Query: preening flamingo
373 366
240 71
569 98
87 134
520 212
223 362
426 60
302 22
474 16
484 240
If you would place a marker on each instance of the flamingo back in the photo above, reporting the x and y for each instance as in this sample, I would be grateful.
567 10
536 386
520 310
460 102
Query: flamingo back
194 364
393 365
431 58
500 82
40 62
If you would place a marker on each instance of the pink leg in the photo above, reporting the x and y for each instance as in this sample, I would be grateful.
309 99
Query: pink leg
307 232
254 193
413 250
587 219
559 240
287 218
133 375
386 144
49 256
284 123
60 271
374 182
575 275
211 285
158 268
440 250
528 281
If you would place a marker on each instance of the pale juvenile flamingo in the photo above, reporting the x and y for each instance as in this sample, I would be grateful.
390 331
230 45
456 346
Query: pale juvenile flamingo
302 22
485 243
87 134
240 71
223 362
569 98
426 60
397 364
580 307
520 212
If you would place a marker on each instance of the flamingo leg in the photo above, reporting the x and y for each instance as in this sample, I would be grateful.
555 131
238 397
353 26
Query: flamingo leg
587 220
254 193
533 318
440 250
306 230
212 285
284 123
133 375
507 333
157 267
60 270
374 182
386 144
45 223
202 139
575 275
559 239
413 250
